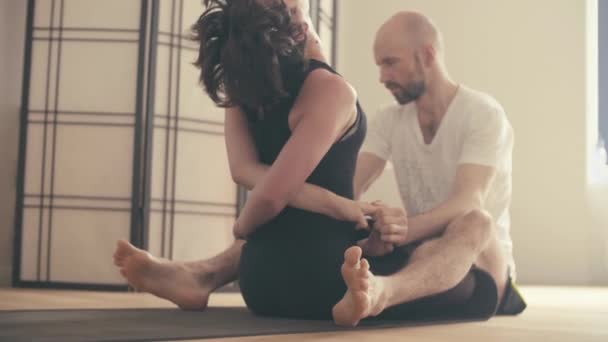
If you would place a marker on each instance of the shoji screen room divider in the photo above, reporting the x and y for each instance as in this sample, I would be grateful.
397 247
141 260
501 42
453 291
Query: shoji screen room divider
118 140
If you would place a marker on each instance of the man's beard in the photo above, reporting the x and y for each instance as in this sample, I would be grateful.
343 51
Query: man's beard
411 92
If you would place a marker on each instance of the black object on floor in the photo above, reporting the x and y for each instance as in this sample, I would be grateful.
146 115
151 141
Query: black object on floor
164 324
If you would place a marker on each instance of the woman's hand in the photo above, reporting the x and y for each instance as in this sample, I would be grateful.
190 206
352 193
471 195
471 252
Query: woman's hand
237 233
348 210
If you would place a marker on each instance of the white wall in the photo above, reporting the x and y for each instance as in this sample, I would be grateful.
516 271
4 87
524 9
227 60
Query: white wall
531 56
12 31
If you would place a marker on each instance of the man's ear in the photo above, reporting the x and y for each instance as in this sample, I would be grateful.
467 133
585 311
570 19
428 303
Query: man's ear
427 55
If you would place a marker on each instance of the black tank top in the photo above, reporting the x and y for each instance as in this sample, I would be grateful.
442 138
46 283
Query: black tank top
335 171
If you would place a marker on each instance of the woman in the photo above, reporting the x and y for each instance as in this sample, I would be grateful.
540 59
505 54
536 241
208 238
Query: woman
255 59
288 109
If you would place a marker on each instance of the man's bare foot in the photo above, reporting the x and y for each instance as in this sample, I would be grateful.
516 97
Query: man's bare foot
174 281
364 295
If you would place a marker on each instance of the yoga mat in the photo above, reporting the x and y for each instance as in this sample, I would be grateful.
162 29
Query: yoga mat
162 324
217 322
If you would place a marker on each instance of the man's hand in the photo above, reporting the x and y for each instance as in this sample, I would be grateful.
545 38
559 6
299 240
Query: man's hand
389 230
373 245
390 223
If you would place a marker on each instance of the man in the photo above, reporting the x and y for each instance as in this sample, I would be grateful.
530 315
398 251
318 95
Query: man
448 175
451 149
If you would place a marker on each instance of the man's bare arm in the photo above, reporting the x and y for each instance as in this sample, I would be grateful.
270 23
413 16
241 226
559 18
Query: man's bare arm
470 189
369 168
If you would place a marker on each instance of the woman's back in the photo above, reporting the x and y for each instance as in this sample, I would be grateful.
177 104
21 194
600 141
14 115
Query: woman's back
335 172
336 169
297 255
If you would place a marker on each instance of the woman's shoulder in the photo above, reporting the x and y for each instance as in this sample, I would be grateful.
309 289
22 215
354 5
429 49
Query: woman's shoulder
327 83
327 89
325 97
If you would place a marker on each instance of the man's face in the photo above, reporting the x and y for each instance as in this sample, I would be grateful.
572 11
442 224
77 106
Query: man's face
401 70
297 9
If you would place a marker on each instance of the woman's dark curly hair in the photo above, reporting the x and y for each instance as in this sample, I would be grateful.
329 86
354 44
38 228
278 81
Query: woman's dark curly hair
248 54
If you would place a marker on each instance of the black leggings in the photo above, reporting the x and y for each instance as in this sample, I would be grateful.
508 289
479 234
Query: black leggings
302 280
296 276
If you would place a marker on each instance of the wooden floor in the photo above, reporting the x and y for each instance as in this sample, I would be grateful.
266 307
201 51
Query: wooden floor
554 315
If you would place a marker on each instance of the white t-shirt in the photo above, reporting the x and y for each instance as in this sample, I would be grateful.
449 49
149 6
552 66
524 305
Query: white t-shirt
474 130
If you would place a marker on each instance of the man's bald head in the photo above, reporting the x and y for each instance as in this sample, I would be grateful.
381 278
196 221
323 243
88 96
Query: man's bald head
408 49
302 6
411 30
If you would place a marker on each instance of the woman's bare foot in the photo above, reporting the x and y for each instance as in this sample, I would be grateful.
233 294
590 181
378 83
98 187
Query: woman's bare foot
174 281
364 295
